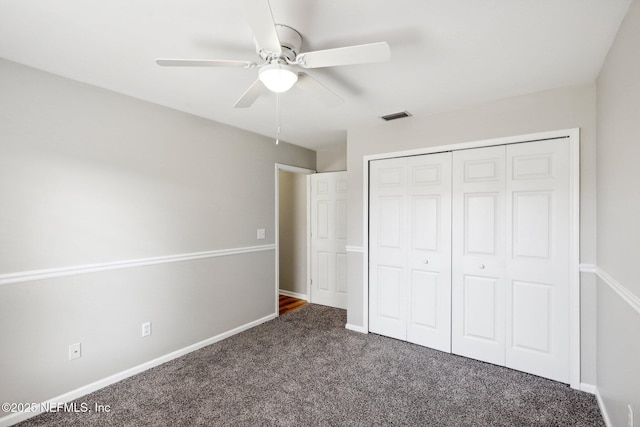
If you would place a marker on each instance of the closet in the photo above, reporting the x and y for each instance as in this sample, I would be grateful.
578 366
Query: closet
469 253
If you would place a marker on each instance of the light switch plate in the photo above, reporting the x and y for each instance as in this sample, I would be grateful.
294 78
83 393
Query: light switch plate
260 233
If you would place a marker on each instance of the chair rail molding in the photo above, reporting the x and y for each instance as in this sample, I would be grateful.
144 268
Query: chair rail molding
50 273
623 292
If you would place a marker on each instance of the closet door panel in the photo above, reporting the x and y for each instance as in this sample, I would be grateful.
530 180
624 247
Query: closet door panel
388 248
538 258
429 251
478 254
480 312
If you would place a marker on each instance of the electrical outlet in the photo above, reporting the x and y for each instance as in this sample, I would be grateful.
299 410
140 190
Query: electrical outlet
146 329
630 415
260 233
74 351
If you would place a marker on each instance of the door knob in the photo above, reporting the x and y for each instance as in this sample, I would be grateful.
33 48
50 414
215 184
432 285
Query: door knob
426 261
481 266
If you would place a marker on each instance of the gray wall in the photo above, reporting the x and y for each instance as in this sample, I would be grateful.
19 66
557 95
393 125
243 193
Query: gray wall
90 176
332 158
293 232
618 339
571 107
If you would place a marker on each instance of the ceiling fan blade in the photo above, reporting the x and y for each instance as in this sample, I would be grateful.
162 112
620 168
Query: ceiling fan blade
166 62
250 95
361 54
317 89
260 18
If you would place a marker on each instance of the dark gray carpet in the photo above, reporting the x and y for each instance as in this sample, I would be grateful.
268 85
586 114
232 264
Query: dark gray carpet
306 369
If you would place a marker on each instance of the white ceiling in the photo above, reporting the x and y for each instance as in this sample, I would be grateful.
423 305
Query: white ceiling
444 53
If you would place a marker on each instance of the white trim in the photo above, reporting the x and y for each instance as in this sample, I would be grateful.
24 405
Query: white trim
309 238
293 294
588 388
97 385
574 259
574 183
356 328
293 169
532 137
588 268
50 273
365 244
356 249
622 291
603 409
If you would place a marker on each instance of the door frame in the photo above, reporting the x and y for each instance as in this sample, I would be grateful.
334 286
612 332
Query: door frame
574 231
293 169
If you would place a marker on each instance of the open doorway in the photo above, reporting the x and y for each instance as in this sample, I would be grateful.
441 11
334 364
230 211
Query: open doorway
292 237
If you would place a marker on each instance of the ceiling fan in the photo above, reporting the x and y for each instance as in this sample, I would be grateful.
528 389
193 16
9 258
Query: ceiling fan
279 48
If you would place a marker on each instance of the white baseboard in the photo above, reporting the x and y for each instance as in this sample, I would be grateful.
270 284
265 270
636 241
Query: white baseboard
293 294
588 388
603 409
356 328
592 389
17 417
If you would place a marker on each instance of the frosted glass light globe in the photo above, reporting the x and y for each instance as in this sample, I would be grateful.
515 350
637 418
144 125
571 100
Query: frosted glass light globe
278 77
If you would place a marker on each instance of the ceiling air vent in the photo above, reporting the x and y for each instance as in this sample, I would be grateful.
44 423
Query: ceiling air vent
395 116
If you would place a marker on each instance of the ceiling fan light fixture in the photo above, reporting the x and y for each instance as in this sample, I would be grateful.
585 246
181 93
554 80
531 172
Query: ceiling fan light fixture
278 77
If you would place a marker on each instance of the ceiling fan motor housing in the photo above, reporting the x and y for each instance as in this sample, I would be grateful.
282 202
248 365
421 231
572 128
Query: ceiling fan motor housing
290 41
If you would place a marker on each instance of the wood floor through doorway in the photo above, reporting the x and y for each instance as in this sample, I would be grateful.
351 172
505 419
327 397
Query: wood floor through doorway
289 304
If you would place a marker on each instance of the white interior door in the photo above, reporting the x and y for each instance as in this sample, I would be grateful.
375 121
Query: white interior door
478 255
537 275
329 239
410 252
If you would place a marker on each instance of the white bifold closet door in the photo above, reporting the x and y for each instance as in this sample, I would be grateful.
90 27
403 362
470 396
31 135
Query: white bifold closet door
510 259
469 253
478 254
538 267
410 249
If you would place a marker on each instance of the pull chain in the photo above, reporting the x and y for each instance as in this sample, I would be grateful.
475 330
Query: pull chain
277 118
